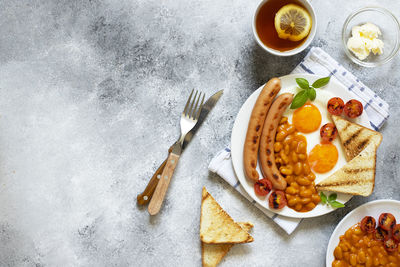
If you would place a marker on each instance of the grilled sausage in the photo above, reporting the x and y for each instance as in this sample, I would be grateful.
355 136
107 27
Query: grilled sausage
267 157
256 124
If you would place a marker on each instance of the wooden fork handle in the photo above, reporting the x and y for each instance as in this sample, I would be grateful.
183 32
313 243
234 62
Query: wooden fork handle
162 186
148 192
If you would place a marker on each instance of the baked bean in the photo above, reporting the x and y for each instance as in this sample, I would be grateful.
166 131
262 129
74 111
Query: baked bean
290 190
298 168
295 159
295 185
306 169
277 146
288 140
310 206
358 231
294 201
290 179
316 199
298 207
301 156
284 158
382 260
287 149
286 170
301 147
280 136
280 128
353 259
305 201
293 146
346 256
291 129
361 257
306 193
368 261
338 253
303 181
311 176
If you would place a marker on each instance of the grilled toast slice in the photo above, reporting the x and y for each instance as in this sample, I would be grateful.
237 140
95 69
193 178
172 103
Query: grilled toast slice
216 226
357 177
355 137
212 254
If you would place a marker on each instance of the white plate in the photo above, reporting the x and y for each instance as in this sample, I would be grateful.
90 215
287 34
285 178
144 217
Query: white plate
373 208
239 131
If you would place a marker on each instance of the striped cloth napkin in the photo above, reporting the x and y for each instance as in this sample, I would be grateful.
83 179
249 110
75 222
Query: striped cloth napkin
320 63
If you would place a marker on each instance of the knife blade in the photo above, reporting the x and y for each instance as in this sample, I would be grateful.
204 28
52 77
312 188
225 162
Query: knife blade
145 197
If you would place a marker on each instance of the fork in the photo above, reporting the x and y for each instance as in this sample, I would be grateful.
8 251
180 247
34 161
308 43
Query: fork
189 118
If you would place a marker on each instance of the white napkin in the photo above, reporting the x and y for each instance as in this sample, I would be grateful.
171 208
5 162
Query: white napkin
320 63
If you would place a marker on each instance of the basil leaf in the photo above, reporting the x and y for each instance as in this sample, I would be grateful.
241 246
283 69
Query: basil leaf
303 83
311 94
320 82
336 204
323 197
299 100
332 197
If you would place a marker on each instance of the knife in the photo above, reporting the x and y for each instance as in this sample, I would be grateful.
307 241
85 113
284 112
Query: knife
145 197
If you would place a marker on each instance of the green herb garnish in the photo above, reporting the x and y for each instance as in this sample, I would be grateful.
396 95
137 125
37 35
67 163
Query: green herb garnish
308 91
331 200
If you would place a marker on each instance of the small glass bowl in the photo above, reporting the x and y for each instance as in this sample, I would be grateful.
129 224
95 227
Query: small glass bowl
390 29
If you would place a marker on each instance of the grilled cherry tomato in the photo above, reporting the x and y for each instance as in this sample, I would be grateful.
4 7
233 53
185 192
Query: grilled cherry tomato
262 187
381 234
353 108
396 232
387 221
335 106
277 200
368 224
390 244
328 133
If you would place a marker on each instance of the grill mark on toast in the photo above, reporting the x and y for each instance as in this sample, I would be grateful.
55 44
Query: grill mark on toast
354 171
345 127
344 183
363 144
353 136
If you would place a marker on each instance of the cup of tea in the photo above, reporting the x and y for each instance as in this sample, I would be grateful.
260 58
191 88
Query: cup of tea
284 27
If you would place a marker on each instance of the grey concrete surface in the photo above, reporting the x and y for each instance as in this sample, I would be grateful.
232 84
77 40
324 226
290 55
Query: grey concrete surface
90 94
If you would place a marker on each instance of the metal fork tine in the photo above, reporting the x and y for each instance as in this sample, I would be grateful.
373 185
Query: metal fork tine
187 103
200 107
191 105
195 107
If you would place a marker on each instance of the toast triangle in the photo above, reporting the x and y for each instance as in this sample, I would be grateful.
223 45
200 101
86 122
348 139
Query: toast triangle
354 137
357 177
212 254
216 226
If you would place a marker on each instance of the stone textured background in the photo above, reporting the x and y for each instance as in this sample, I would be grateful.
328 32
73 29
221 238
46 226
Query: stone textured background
90 94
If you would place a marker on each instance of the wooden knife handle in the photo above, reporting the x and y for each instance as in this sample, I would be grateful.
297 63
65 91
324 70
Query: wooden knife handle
162 186
148 192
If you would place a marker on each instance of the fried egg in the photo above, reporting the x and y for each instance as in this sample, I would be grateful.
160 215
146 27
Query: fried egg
324 159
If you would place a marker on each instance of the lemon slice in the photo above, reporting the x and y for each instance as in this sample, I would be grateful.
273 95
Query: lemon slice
292 22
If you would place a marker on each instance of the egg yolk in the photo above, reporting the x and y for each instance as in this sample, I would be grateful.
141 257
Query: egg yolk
307 119
323 157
